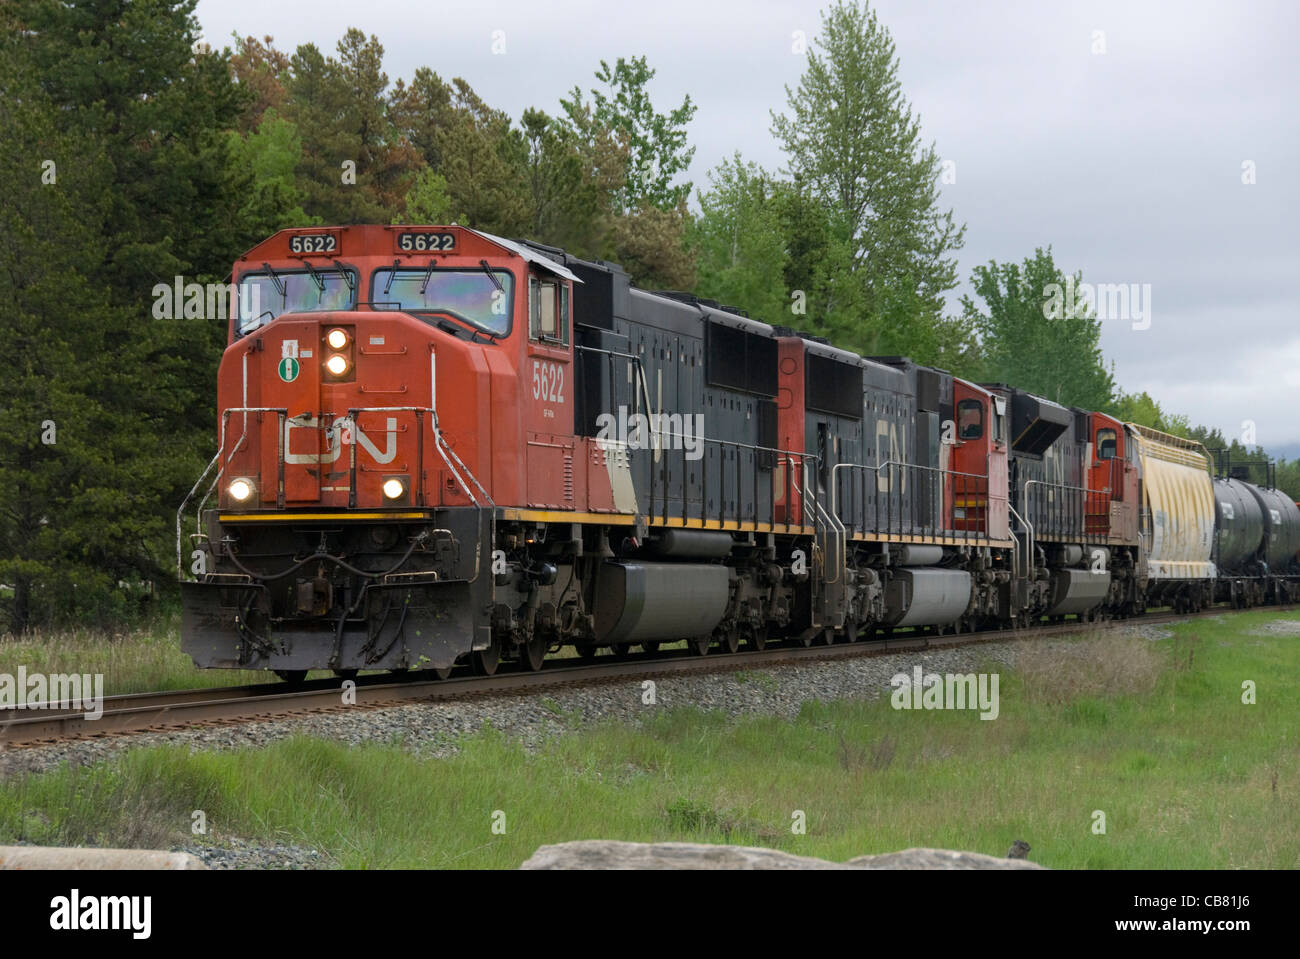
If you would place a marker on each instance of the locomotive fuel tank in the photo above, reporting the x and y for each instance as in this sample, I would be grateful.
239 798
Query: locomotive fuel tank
639 601
1239 525
923 596
1077 590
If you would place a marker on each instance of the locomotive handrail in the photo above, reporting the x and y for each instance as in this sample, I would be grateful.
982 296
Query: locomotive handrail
198 513
1087 496
830 520
180 515
655 484
1029 542
938 472
659 486
640 379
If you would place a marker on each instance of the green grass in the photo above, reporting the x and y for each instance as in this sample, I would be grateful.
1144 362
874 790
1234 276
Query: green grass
1154 734
145 659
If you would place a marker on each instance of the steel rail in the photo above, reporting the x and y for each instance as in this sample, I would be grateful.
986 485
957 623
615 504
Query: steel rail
163 711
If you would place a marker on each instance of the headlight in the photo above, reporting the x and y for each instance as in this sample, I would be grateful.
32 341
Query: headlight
337 339
394 488
337 364
240 490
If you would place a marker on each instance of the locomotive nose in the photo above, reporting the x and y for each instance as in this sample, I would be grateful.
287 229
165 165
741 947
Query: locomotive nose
329 404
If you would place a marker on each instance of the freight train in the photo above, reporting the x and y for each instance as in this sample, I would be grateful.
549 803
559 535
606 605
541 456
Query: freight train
438 446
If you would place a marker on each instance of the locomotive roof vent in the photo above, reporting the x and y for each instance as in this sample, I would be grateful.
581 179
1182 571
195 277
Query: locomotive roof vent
701 301
1036 423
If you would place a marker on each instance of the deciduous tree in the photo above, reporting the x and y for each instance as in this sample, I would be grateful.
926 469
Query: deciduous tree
854 145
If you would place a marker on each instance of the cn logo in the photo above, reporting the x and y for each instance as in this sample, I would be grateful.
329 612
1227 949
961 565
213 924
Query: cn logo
333 438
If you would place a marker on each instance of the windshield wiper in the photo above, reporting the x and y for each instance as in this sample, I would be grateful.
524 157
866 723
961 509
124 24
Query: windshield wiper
492 276
315 276
347 276
428 275
472 328
391 275
275 278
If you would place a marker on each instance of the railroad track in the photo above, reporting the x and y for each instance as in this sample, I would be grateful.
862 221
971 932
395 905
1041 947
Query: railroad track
161 711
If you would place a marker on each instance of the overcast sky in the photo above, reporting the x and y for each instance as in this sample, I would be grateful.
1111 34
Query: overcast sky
1128 162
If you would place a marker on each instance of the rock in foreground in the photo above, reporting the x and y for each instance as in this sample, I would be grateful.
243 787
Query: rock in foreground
612 854
76 857
922 858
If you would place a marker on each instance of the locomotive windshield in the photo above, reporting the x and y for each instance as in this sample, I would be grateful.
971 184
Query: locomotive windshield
264 296
481 298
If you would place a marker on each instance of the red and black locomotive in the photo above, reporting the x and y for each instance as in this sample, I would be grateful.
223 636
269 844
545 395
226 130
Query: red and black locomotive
438 445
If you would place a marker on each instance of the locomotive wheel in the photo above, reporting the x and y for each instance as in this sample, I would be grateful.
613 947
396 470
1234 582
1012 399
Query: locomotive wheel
699 645
826 637
799 640
651 647
850 632
757 639
294 677
729 641
487 660
442 672
533 653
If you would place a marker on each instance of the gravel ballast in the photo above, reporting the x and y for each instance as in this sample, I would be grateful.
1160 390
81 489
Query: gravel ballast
433 729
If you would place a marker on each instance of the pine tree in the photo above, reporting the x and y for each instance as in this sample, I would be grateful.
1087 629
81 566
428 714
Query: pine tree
136 118
75 518
356 167
656 142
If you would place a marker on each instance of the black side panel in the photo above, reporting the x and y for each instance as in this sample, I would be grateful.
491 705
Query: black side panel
767 433
738 360
602 296
833 387
927 390
601 378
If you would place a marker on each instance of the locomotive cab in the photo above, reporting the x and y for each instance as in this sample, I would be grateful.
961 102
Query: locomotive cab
372 409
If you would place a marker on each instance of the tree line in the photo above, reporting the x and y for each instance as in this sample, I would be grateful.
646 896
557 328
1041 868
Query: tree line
132 154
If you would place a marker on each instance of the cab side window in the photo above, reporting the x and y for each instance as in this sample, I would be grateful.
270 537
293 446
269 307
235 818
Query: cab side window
970 420
1106 444
548 310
